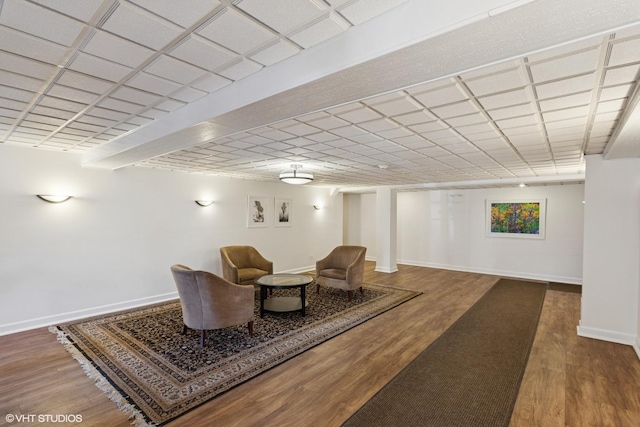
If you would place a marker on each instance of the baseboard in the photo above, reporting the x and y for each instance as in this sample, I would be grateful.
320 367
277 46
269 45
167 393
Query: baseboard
636 347
386 270
494 272
40 322
611 336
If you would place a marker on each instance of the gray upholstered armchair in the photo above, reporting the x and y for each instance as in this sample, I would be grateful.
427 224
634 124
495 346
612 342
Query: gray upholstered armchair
343 268
210 302
243 264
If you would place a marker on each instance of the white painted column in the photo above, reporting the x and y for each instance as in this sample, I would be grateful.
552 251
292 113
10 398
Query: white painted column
386 228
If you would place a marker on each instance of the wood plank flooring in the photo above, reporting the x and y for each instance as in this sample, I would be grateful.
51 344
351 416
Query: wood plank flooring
569 380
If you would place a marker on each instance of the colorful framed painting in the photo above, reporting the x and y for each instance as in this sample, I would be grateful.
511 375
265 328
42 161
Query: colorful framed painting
283 212
516 218
258 211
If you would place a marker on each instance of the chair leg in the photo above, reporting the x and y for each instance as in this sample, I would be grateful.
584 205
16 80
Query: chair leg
361 290
202 338
349 295
184 330
317 289
250 325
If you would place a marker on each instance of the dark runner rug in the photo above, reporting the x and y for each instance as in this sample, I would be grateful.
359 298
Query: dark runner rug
155 374
470 375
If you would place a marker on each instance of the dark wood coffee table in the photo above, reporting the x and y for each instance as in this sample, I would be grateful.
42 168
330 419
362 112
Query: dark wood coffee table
283 304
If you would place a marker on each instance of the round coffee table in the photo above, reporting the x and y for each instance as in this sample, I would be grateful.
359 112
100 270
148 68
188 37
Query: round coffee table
283 304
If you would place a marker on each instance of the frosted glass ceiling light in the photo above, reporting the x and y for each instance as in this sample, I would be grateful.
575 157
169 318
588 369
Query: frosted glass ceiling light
296 175
53 198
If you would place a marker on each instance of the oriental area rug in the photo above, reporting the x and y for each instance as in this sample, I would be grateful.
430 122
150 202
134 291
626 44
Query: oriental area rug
471 374
154 373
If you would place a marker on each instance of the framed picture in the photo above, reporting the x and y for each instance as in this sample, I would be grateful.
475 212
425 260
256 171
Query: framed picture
258 211
516 218
283 212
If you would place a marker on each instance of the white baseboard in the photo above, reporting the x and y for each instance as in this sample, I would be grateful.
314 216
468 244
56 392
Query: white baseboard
506 273
611 336
386 270
40 322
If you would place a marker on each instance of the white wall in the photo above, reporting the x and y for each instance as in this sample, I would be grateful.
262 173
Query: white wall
446 229
610 299
110 247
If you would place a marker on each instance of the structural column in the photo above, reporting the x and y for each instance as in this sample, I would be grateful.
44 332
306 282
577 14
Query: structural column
386 228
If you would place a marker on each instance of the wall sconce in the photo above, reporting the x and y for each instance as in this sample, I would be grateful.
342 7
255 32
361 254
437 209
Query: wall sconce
53 198
318 207
204 203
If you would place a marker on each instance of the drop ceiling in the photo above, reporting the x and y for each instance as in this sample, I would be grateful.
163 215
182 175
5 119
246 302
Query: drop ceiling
363 93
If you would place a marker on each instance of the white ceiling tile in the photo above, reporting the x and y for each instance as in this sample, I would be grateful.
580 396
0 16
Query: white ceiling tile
566 131
359 115
615 92
282 15
320 31
428 126
570 101
122 106
512 111
72 94
25 66
275 53
400 106
566 113
84 82
496 83
241 70
624 52
578 121
153 84
62 104
517 121
100 68
328 123
472 129
605 117
455 110
82 10
588 44
41 22
20 82
469 119
172 69
609 106
116 49
184 14
300 129
31 47
136 96
505 99
377 125
235 31
348 131
394 133
628 74
566 86
141 27
361 11
441 96
202 53
566 66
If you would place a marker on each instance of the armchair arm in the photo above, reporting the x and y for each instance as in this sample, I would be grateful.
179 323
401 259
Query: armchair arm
323 264
229 269
355 270
225 303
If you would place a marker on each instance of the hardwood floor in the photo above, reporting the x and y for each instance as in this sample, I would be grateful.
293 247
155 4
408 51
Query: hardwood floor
569 380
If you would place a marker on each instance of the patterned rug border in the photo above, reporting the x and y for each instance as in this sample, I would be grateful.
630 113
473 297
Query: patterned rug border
348 319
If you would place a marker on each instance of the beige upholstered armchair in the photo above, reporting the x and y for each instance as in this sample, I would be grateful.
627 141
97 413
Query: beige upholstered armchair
210 302
343 268
243 264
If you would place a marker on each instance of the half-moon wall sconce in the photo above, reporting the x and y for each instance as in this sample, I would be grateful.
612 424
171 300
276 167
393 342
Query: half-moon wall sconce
318 207
53 198
204 203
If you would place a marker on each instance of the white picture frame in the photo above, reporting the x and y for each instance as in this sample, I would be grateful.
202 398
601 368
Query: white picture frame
522 218
258 213
283 212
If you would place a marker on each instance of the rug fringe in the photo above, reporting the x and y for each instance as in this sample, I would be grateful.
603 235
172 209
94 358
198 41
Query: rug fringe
134 414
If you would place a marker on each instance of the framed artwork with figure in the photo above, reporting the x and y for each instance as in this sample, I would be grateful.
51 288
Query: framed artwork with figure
258 211
283 212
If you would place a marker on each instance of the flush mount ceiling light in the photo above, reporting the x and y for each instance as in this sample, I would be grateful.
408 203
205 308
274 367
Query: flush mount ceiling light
204 203
53 198
296 175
